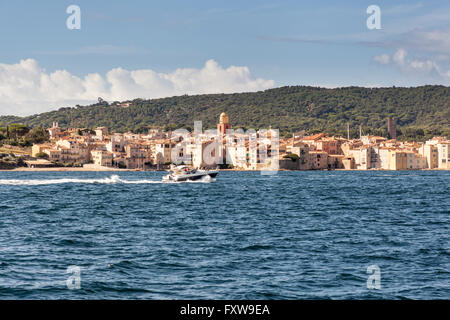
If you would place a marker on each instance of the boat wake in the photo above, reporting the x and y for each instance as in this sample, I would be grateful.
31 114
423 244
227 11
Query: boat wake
205 179
108 180
114 179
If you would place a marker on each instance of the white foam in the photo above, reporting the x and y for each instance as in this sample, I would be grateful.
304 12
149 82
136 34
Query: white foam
114 179
207 179
108 180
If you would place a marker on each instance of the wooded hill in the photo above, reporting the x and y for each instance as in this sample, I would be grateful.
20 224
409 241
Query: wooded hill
422 112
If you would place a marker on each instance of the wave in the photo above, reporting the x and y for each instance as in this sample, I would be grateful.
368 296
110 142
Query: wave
114 179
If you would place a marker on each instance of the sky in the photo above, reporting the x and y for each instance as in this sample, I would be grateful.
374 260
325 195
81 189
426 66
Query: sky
151 49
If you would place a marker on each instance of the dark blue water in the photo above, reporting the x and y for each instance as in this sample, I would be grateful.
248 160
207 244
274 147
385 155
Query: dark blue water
293 235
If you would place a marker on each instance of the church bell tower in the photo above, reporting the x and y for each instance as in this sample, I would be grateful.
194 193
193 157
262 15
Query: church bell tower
223 124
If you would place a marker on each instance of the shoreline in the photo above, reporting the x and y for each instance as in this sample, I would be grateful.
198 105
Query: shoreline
59 169
69 169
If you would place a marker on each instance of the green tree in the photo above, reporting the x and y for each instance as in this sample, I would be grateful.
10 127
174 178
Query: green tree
289 109
17 130
291 156
42 155
37 135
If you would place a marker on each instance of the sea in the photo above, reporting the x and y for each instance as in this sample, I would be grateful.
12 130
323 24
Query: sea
243 235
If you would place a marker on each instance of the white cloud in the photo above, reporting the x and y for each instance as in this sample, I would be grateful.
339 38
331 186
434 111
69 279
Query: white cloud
26 88
403 8
434 40
382 59
106 49
399 57
412 66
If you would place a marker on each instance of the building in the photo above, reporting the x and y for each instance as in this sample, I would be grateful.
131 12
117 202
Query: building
73 151
430 152
372 139
54 131
102 158
392 127
415 161
137 156
224 124
249 150
318 160
41 163
101 132
336 161
348 163
361 156
163 151
302 151
441 144
117 144
384 153
125 104
54 155
330 145
39 148
398 160
375 160
206 154
443 148
263 150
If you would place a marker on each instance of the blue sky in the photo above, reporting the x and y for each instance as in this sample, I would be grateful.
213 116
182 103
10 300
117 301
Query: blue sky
321 43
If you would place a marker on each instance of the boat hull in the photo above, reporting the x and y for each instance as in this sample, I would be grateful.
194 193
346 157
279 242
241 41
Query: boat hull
193 177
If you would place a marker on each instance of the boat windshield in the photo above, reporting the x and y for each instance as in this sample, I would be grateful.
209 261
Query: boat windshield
183 169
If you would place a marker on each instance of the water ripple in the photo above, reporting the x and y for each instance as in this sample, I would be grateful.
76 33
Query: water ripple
296 235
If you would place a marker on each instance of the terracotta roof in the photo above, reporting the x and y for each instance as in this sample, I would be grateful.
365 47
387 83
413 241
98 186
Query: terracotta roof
315 137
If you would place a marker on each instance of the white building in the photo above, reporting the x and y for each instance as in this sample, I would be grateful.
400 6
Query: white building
443 155
102 158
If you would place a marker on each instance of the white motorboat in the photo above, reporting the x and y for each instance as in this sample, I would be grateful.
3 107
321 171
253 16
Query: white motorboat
184 173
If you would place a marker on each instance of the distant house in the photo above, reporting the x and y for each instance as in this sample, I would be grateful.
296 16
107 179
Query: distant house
39 163
102 158
125 104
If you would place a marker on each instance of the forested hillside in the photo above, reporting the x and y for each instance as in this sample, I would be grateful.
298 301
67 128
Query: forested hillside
421 111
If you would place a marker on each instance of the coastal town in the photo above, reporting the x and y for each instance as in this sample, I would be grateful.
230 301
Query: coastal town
99 149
